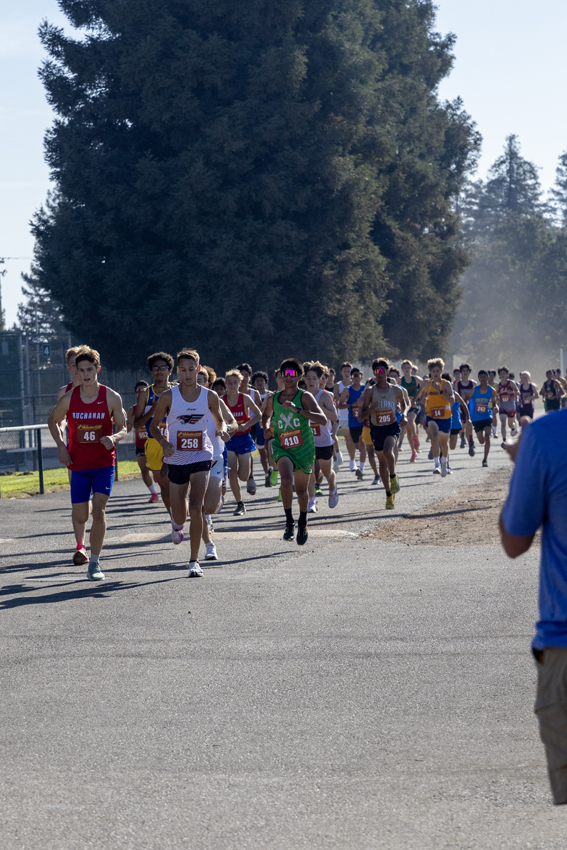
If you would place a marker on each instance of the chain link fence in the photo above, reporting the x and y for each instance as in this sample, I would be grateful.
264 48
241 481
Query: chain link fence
31 373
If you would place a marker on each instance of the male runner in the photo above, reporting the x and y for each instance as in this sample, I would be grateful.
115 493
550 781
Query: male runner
241 445
492 383
247 387
529 394
439 399
79 529
322 434
507 392
411 385
160 365
349 400
292 412
464 386
188 453
338 389
551 391
482 400
140 443
91 410
380 402
460 412
260 384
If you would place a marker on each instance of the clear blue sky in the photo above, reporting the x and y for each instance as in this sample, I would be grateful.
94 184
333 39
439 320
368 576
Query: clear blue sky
509 71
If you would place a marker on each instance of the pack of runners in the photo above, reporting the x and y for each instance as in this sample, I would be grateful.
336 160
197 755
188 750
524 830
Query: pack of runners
196 434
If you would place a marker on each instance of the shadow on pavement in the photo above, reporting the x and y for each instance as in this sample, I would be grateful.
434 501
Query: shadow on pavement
100 590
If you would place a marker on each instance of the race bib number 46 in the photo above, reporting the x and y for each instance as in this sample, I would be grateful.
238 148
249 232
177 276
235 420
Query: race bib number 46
189 441
89 433
291 439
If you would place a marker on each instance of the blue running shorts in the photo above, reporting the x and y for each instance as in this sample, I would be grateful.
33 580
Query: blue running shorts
87 481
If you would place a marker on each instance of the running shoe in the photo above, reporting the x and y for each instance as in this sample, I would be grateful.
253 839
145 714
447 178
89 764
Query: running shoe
274 477
416 442
177 534
513 431
376 480
485 462
471 449
437 470
503 444
251 487
240 509
334 498
463 441
80 557
443 468
289 533
302 535
359 474
153 498
312 506
449 470
94 572
211 553
390 503
268 482
318 491
394 485
209 523
339 457
195 570
413 457
280 496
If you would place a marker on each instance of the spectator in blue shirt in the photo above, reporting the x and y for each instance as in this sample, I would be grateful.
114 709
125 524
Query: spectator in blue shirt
538 499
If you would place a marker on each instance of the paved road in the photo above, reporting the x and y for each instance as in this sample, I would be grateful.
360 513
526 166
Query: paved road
352 694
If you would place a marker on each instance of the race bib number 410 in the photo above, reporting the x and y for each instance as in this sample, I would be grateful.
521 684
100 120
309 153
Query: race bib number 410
189 441
291 439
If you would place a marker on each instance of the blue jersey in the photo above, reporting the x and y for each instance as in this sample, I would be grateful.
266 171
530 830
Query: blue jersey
353 397
480 404
456 418
151 398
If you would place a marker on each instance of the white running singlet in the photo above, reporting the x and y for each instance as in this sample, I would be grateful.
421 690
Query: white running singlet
188 424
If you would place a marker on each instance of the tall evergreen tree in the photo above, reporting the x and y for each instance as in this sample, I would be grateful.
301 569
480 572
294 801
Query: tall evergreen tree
39 315
253 179
559 190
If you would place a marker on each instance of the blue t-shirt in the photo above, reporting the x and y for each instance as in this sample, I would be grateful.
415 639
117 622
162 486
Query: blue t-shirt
353 397
538 497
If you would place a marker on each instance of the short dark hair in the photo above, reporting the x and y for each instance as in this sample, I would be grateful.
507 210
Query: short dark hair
292 363
465 366
140 384
356 371
317 368
89 354
160 355
380 361
446 376
259 374
345 365
504 369
245 367
188 354
220 382
482 372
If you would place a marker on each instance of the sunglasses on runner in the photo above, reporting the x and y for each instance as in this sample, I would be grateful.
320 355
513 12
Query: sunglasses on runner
290 373
160 369
379 371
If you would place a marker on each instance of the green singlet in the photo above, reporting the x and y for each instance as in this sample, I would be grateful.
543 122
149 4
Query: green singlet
412 389
293 437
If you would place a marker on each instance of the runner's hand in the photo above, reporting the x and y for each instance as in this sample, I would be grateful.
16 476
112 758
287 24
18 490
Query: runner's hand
107 442
168 449
224 435
64 456
512 449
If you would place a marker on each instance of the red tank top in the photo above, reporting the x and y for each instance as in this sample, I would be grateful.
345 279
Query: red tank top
87 424
239 412
68 387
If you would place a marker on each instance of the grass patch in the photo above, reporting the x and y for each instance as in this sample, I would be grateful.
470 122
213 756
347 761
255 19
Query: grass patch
20 485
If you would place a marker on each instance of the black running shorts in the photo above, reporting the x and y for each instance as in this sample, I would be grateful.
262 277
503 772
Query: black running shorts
180 473
481 424
356 433
324 452
380 432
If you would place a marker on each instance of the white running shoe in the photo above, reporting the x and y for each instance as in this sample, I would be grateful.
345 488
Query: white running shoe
443 467
339 457
312 506
211 554
195 570
177 534
437 470
514 431
334 498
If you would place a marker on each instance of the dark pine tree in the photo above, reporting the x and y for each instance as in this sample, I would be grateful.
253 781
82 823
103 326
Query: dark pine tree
255 180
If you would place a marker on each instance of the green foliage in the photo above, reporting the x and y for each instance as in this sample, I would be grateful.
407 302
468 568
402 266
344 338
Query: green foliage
252 179
40 316
513 308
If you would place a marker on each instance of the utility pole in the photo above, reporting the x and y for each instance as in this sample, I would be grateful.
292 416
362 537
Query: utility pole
3 273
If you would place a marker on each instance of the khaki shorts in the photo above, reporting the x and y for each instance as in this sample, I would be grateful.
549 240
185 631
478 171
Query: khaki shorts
551 712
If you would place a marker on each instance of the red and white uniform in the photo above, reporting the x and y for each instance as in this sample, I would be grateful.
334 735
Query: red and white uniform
239 412
87 424
187 424
506 397
323 434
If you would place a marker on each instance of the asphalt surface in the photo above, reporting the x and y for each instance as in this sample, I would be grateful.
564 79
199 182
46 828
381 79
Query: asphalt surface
349 694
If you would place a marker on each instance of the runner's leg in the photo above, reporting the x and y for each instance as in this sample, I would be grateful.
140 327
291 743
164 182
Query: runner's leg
98 527
199 481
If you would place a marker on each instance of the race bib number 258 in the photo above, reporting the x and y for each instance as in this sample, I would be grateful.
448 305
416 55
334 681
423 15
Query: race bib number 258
189 441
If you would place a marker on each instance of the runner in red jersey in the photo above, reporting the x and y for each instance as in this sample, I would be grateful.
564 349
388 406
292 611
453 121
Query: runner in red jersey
79 529
91 410
141 435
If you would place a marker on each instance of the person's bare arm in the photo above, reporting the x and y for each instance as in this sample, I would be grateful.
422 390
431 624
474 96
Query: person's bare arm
514 546
253 412
310 409
268 413
462 405
231 423
118 416
343 399
447 391
141 418
365 404
328 408
404 402
162 409
57 415
217 414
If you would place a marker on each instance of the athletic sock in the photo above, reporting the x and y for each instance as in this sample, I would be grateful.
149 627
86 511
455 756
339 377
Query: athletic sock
392 476
436 459
471 440
388 493
175 526
352 466
361 467
94 560
152 488
289 515
302 518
